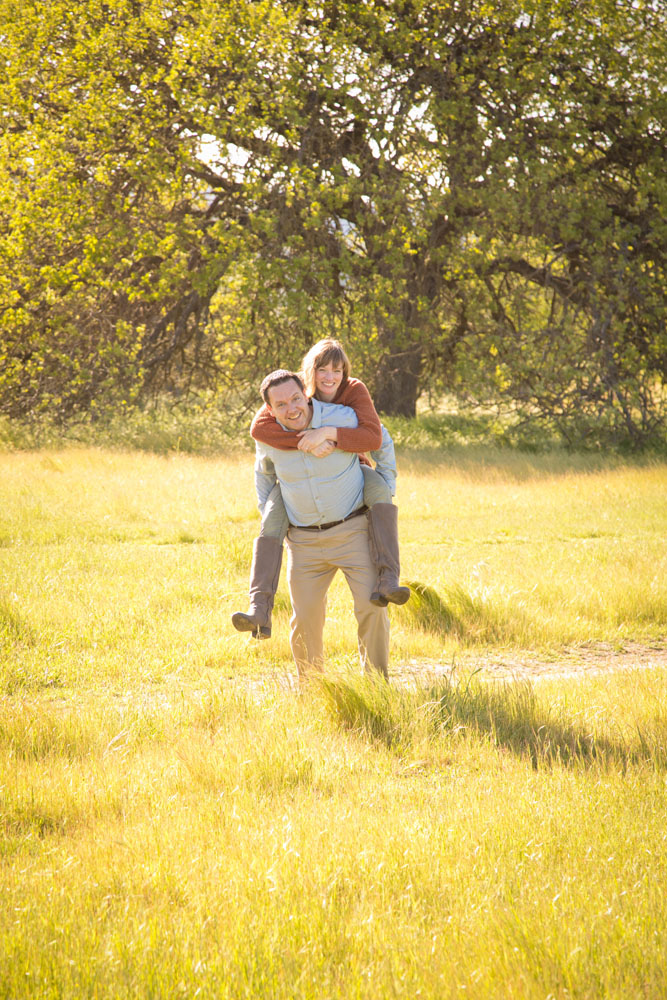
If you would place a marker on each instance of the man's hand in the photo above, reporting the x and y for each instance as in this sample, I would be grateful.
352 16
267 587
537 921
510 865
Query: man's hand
312 440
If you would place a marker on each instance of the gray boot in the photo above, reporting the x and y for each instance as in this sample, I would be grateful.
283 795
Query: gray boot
267 557
383 537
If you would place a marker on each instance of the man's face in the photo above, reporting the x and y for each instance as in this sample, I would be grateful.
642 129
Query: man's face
289 404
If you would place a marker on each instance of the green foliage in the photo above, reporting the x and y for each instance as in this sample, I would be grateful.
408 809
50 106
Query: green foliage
106 260
208 423
509 429
199 425
473 199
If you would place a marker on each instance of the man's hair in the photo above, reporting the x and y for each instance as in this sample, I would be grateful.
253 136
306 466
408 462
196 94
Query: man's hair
277 378
324 352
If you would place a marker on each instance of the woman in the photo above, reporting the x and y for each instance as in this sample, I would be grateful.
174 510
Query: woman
326 373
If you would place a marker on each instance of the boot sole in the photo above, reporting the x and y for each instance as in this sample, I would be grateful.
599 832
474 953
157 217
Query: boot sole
243 623
399 596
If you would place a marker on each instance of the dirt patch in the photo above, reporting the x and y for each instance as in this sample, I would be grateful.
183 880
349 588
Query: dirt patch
583 661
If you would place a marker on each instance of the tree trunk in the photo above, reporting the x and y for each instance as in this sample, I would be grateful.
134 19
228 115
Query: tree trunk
396 383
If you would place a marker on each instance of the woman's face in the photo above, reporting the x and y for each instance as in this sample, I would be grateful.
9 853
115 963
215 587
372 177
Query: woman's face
327 381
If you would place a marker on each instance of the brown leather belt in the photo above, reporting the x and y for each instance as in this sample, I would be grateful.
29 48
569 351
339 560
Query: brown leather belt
331 524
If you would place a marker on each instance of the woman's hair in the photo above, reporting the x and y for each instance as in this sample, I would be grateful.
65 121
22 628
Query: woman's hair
324 352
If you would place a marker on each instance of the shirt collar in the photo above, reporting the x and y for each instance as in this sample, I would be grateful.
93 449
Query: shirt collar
317 413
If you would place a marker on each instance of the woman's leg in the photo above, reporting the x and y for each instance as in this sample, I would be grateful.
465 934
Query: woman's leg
383 537
274 519
267 558
375 488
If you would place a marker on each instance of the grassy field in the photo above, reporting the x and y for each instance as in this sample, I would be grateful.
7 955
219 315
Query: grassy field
177 821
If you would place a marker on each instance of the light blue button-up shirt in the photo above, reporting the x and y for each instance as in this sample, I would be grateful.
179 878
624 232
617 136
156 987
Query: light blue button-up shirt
315 490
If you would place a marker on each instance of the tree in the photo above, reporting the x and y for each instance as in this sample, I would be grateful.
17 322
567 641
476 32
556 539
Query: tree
475 156
111 251
470 193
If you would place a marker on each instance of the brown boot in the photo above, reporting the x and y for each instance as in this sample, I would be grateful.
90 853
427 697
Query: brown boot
267 557
383 537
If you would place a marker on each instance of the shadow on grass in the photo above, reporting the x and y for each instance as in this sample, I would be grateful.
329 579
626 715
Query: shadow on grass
509 714
455 612
428 611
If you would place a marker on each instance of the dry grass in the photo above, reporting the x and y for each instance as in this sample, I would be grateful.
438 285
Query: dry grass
169 830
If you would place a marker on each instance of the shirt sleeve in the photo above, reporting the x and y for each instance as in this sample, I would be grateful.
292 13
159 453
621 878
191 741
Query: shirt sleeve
266 429
367 436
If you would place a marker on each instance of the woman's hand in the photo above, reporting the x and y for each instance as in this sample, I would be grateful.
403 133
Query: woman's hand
312 440
323 449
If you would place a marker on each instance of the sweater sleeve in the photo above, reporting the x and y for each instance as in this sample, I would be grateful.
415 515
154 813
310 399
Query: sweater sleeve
367 436
265 428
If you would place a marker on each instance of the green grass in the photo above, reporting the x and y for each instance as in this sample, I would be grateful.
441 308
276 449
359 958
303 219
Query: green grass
177 820
121 567
284 847
535 552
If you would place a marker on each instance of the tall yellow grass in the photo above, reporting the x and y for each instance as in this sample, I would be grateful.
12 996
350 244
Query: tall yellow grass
176 820
116 567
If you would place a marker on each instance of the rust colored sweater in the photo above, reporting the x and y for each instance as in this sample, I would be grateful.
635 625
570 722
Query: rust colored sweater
367 436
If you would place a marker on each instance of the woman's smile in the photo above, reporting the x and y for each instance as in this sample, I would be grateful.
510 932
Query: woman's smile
327 381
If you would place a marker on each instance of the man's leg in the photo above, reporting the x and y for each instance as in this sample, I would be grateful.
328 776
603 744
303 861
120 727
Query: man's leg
347 547
309 575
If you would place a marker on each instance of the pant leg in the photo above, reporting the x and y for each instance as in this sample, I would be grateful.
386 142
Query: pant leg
313 560
309 576
376 489
346 547
352 555
274 518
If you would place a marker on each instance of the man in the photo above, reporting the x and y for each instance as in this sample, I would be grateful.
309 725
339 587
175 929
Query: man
323 496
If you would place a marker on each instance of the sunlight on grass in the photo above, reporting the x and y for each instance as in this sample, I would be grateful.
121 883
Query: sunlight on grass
178 819
278 847
119 565
511 715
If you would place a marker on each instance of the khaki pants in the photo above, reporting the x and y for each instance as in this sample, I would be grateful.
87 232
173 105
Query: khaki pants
314 557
